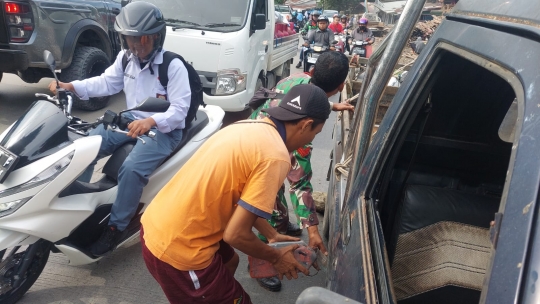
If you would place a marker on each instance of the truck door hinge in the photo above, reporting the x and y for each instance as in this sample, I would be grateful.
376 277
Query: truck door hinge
494 228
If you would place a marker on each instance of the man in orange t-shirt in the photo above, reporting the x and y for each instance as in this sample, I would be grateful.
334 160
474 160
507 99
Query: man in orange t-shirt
227 188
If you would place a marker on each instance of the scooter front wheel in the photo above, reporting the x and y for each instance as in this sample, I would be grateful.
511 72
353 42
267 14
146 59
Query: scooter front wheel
20 268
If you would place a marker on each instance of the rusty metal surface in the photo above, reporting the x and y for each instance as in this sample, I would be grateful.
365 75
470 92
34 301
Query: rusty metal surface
518 11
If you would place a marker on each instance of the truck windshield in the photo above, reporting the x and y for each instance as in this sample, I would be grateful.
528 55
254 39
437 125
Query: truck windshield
283 9
221 16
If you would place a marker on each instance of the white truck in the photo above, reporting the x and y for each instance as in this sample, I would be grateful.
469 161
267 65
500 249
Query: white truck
231 44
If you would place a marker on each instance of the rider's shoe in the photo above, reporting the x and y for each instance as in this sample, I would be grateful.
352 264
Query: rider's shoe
271 284
107 241
293 230
299 65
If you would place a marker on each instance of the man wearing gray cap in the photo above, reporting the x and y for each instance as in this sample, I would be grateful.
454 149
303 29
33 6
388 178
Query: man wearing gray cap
219 195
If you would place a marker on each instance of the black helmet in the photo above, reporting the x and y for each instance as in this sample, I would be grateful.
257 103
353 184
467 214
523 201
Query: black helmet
140 19
344 17
323 18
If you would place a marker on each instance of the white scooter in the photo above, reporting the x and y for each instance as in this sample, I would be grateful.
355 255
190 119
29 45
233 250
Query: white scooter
42 206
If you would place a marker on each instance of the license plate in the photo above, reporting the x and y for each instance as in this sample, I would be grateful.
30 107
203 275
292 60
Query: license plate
312 60
8 161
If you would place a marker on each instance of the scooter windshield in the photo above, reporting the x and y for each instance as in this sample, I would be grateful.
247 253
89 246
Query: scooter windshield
39 132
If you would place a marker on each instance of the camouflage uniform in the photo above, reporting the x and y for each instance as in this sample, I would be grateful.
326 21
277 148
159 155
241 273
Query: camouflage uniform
300 175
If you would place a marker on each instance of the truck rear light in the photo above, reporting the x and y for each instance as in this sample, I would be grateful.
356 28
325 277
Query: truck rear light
12 8
19 20
16 8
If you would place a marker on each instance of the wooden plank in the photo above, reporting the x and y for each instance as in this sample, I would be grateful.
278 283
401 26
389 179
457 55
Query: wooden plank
362 60
356 85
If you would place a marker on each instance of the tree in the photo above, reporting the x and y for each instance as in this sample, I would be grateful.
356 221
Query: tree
341 5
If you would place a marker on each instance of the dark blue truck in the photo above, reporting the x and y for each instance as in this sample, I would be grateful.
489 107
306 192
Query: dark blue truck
441 205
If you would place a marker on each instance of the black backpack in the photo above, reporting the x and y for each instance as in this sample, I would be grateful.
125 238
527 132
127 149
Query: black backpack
194 82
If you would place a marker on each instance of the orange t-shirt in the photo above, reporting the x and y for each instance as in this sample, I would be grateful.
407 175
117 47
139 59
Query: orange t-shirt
244 163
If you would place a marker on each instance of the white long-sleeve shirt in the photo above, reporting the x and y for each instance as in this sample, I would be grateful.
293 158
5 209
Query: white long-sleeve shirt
139 84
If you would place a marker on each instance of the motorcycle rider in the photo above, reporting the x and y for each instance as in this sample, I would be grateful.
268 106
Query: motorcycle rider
142 30
308 28
345 24
344 20
293 17
322 36
363 33
299 18
336 26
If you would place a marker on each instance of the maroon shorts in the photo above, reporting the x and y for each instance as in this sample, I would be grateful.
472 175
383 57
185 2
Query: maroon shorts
214 284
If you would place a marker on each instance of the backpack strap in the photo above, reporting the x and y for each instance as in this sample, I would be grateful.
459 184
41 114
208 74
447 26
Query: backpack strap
125 61
164 67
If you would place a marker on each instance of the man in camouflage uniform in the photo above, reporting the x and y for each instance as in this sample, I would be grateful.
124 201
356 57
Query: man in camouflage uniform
329 74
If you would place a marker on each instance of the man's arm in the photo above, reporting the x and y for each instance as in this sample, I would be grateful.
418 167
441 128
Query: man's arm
179 95
371 36
238 234
311 37
108 83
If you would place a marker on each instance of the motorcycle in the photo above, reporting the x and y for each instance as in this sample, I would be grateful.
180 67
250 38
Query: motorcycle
359 48
43 207
341 42
310 58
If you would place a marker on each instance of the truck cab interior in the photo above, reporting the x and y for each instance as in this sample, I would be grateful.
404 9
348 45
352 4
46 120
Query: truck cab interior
443 181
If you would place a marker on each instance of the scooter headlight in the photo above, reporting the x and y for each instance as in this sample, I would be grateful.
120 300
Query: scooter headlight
45 176
10 207
230 81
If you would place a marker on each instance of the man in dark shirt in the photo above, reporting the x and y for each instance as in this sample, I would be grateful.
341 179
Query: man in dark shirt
323 36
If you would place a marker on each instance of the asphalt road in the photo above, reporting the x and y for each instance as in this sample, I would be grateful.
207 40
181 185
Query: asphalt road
122 276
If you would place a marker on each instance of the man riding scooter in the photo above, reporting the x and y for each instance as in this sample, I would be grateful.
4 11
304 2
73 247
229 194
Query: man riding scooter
142 30
363 33
310 26
322 37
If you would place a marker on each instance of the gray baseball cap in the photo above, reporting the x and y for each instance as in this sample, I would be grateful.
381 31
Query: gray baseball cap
303 100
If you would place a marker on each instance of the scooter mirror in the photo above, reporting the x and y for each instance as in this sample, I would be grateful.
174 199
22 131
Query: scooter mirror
152 104
49 60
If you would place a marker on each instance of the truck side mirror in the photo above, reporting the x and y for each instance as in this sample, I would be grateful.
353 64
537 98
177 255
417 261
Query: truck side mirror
124 2
260 22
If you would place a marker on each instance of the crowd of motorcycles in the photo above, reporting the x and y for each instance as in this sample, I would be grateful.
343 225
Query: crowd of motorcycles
343 43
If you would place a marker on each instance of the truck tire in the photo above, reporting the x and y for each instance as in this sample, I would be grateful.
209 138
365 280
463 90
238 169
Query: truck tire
286 71
87 62
259 84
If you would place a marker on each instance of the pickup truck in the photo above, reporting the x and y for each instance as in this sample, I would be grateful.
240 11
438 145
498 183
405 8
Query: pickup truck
441 204
80 35
233 45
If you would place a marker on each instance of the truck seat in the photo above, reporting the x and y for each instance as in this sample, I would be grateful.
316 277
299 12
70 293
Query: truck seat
443 245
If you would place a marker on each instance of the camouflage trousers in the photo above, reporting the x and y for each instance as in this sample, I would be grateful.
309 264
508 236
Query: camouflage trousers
300 192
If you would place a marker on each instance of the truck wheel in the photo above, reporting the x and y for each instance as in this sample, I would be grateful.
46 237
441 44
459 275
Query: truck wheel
286 71
10 294
259 84
87 62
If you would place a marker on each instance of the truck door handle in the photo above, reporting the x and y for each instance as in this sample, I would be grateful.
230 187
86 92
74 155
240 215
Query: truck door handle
116 11
266 49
